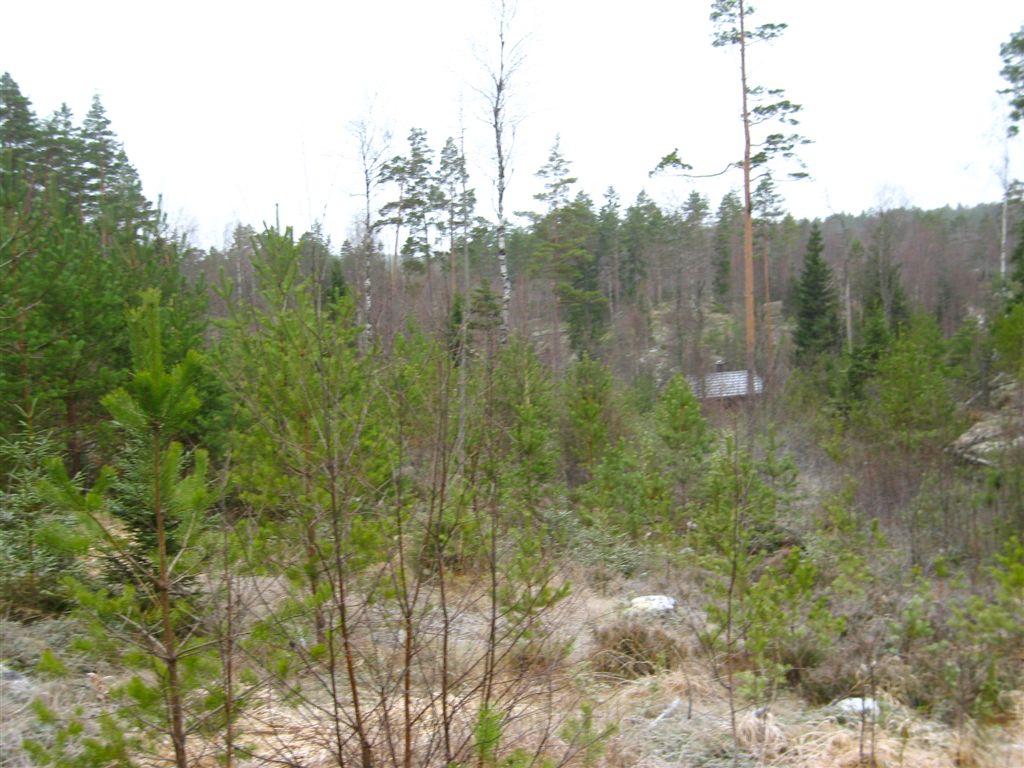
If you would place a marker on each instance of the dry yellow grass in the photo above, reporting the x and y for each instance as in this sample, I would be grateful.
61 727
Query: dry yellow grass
676 717
656 734
759 734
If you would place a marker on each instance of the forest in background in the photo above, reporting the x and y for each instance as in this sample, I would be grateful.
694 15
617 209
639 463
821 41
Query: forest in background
357 496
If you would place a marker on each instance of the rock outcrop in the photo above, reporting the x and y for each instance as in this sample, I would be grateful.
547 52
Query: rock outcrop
999 429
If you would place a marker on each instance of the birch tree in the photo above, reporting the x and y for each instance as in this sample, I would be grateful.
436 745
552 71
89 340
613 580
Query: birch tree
496 95
373 147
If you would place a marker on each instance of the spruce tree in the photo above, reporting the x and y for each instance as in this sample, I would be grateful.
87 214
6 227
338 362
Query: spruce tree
36 552
696 208
875 340
113 197
640 232
817 332
18 138
99 151
726 228
62 157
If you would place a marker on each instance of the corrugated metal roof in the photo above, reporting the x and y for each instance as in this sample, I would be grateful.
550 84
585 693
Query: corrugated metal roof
724 384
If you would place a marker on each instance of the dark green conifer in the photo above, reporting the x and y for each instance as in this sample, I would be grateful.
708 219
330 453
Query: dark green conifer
18 137
727 229
817 331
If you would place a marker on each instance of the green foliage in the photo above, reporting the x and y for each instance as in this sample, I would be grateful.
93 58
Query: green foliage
1008 339
627 494
50 665
735 519
524 411
970 353
882 287
680 424
642 229
769 105
292 366
964 645
530 589
71 741
78 242
18 137
1017 266
69 344
908 403
565 240
37 547
556 178
346 471
862 363
453 199
817 306
634 488
487 736
616 498
147 518
417 199
606 550
589 423
155 404
1012 54
791 625
582 732
727 234
767 594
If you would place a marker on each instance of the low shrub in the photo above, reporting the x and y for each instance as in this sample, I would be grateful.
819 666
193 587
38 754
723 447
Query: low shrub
630 648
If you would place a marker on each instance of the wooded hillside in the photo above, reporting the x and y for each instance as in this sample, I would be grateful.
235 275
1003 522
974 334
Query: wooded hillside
457 491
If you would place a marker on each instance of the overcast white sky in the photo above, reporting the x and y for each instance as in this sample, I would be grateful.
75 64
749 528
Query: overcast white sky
228 108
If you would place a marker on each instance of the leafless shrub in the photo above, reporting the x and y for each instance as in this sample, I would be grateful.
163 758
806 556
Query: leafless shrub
628 648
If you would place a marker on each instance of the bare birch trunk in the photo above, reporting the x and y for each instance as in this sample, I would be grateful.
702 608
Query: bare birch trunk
498 102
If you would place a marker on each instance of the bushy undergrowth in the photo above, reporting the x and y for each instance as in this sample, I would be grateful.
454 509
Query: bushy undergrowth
411 515
629 648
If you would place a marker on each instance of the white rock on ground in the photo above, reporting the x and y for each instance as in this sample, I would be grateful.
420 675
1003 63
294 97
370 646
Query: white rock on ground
651 605
13 682
856 706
